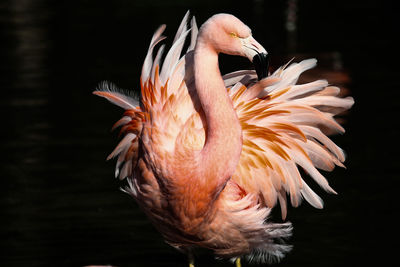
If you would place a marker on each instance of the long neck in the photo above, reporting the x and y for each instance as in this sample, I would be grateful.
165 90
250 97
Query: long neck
223 145
205 174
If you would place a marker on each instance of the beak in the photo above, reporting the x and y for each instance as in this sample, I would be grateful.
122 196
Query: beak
256 54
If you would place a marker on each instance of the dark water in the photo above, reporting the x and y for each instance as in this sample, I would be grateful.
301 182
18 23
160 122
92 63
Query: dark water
60 205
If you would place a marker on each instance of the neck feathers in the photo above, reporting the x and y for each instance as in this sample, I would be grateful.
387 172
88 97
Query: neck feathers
223 144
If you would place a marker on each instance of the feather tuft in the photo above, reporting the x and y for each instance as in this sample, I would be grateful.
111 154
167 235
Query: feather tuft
122 98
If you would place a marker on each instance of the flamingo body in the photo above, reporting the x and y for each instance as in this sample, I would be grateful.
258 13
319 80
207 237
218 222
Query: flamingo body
207 156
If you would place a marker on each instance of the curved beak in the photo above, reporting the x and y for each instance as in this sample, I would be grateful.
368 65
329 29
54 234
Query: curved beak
256 54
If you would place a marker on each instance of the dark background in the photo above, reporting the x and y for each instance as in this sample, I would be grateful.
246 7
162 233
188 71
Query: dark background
60 205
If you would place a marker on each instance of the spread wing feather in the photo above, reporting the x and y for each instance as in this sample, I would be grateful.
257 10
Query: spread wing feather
282 132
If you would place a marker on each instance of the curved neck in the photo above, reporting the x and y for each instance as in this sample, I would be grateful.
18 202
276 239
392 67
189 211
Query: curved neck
221 152
205 174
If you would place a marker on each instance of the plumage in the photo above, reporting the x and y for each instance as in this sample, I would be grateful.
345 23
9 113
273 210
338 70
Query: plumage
207 165
119 97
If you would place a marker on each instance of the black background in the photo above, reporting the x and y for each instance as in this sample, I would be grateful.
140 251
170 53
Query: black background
60 205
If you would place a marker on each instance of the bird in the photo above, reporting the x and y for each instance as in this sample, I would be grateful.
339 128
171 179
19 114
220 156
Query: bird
207 156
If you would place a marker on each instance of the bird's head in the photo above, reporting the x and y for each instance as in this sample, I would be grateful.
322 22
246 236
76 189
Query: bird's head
227 34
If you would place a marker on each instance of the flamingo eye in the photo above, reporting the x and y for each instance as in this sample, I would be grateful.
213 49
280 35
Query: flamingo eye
234 35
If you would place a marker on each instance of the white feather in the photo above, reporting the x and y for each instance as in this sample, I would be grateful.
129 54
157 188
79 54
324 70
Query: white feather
123 98
148 61
194 33
182 27
310 196
126 141
157 63
172 57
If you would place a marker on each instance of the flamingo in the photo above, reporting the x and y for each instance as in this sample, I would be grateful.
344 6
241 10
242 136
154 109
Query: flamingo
208 156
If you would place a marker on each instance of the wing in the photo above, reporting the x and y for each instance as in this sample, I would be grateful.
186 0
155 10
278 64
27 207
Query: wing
164 105
131 125
284 127
165 92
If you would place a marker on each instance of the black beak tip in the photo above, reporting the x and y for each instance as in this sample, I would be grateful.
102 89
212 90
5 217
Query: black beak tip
261 64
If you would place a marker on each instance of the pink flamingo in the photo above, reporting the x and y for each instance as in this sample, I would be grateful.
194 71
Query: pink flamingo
207 156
